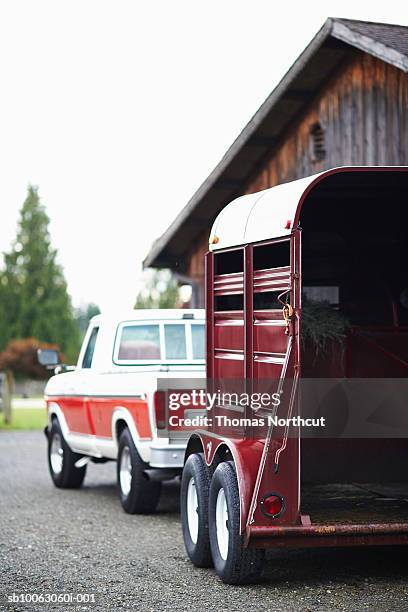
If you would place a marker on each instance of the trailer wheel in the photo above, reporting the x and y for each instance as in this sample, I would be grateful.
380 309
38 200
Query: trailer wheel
61 460
195 486
138 494
233 563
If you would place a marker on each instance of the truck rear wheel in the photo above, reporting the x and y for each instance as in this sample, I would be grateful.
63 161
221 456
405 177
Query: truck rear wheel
61 460
233 563
138 494
195 486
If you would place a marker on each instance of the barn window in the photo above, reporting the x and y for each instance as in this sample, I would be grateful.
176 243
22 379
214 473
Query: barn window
317 142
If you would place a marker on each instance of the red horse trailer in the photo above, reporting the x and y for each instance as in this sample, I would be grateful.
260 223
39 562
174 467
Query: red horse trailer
246 489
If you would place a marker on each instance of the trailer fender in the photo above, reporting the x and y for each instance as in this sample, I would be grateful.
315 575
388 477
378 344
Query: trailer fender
246 455
194 445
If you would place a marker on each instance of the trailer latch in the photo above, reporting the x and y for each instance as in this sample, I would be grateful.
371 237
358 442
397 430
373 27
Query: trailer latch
287 315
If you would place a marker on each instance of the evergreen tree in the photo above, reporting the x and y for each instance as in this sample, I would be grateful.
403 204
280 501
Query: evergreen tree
160 291
84 314
34 301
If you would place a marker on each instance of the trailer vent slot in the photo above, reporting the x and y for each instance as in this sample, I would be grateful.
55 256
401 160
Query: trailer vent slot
229 262
275 279
272 255
224 303
267 301
229 284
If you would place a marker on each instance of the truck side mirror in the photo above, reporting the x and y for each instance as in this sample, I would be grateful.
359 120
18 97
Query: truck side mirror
48 358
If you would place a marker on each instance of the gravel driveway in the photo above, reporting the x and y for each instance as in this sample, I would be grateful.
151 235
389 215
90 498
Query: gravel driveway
81 541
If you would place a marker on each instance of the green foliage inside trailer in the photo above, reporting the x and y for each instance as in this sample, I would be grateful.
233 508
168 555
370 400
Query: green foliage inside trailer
322 325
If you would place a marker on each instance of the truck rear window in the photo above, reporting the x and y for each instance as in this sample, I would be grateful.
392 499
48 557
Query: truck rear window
198 340
163 342
175 340
139 342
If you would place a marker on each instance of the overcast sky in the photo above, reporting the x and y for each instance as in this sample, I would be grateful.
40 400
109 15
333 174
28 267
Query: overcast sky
118 110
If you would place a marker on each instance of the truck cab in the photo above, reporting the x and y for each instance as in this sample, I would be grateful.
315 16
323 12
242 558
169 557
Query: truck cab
108 406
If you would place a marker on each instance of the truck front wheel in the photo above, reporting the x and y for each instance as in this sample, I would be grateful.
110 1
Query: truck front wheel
138 494
61 460
233 563
195 486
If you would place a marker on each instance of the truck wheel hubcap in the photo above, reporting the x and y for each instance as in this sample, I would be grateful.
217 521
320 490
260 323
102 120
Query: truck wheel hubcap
125 472
192 510
221 519
56 454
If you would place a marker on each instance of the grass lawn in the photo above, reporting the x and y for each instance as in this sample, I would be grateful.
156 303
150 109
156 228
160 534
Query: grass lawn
25 418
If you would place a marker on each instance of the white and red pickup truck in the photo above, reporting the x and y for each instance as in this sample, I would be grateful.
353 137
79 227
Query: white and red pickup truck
108 408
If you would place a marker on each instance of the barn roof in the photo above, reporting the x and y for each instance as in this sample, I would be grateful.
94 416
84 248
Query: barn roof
327 49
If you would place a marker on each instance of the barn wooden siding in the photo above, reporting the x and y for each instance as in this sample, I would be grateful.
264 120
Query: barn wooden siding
196 269
363 111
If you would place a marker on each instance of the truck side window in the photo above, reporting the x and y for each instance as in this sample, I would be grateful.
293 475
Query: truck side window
89 351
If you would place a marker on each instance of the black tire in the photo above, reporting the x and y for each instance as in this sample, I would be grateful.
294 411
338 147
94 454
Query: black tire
238 565
196 474
143 495
63 472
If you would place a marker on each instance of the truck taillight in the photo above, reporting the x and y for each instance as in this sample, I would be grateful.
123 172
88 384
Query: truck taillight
159 405
272 505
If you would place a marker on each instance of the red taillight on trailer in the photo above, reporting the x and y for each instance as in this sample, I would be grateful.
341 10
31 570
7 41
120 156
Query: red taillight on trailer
272 505
159 398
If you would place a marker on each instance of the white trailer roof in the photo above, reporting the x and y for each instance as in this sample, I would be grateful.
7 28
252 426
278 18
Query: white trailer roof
259 216
274 212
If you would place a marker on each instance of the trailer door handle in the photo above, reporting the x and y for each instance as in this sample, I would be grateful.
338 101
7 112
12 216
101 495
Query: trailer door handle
287 312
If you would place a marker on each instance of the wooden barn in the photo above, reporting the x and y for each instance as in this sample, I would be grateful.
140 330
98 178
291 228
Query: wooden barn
343 102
